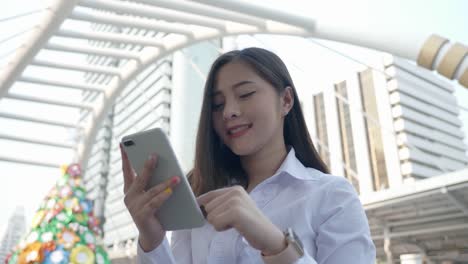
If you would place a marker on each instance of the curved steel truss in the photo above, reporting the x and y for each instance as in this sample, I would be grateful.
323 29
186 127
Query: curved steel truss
179 24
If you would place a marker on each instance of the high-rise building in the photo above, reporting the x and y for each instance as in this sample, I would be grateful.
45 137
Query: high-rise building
168 95
14 231
426 122
382 127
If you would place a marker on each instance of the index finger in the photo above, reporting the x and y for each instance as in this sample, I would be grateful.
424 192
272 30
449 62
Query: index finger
140 183
207 197
127 169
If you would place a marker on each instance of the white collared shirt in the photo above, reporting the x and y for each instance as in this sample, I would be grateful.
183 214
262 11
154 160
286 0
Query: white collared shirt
323 210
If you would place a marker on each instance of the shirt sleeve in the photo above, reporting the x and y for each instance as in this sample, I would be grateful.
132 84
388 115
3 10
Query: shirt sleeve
178 253
343 235
182 246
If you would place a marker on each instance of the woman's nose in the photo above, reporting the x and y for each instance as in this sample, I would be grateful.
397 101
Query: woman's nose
231 110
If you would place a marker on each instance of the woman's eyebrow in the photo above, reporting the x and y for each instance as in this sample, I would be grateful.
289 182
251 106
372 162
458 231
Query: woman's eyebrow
241 83
216 92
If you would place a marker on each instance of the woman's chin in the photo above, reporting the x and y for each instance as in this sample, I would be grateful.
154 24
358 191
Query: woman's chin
242 149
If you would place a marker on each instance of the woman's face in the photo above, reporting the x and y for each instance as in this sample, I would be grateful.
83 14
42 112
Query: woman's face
247 110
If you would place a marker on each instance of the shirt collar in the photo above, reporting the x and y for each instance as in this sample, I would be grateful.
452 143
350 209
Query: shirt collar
294 167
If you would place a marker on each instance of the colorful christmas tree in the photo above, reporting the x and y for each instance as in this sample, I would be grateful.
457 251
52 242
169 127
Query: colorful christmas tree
64 229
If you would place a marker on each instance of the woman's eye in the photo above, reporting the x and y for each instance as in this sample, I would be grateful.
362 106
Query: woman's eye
247 94
217 107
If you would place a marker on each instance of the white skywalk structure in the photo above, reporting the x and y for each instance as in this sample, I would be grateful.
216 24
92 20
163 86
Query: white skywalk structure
185 23
96 48
428 217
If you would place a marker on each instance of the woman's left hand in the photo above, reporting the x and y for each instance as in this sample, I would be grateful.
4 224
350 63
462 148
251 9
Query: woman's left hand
232 207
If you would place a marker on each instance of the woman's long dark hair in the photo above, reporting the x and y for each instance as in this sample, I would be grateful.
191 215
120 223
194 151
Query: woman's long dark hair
216 166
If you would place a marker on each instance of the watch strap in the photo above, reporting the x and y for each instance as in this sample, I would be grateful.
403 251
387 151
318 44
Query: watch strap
288 255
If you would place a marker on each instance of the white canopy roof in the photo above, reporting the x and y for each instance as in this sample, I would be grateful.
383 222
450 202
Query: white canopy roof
79 27
428 217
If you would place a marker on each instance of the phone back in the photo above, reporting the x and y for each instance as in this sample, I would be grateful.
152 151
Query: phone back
181 210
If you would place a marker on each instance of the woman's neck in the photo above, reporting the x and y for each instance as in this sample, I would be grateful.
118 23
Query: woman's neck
263 164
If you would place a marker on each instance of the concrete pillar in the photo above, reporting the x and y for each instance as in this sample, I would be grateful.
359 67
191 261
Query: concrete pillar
387 245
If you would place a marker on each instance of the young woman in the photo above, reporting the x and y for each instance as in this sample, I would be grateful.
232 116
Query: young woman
266 192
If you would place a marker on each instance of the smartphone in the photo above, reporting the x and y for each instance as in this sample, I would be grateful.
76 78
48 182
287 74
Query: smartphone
181 210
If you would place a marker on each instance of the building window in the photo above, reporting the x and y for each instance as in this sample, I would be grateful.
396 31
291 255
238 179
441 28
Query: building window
373 131
346 134
321 128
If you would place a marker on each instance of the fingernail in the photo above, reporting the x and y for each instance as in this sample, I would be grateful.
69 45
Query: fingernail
152 159
122 151
168 190
175 180
203 210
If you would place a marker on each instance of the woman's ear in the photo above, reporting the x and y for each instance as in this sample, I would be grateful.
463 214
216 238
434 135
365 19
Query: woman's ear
287 100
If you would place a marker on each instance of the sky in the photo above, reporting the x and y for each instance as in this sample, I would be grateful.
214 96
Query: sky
27 185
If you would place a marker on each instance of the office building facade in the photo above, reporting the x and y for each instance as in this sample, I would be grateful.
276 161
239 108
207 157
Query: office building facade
15 230
384 126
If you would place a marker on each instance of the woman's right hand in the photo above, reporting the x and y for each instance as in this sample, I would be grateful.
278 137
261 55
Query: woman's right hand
142 205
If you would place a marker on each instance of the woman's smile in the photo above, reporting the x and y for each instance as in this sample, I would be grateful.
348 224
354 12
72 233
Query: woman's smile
238 131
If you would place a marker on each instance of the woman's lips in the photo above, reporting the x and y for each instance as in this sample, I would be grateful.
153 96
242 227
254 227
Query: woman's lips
238 131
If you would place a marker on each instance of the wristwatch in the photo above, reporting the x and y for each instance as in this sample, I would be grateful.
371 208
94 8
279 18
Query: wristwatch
291 254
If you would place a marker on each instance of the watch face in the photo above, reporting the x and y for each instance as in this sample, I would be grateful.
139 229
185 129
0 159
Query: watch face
292 238
298 241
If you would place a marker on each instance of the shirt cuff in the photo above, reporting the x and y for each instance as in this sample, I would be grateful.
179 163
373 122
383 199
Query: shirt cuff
161 254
